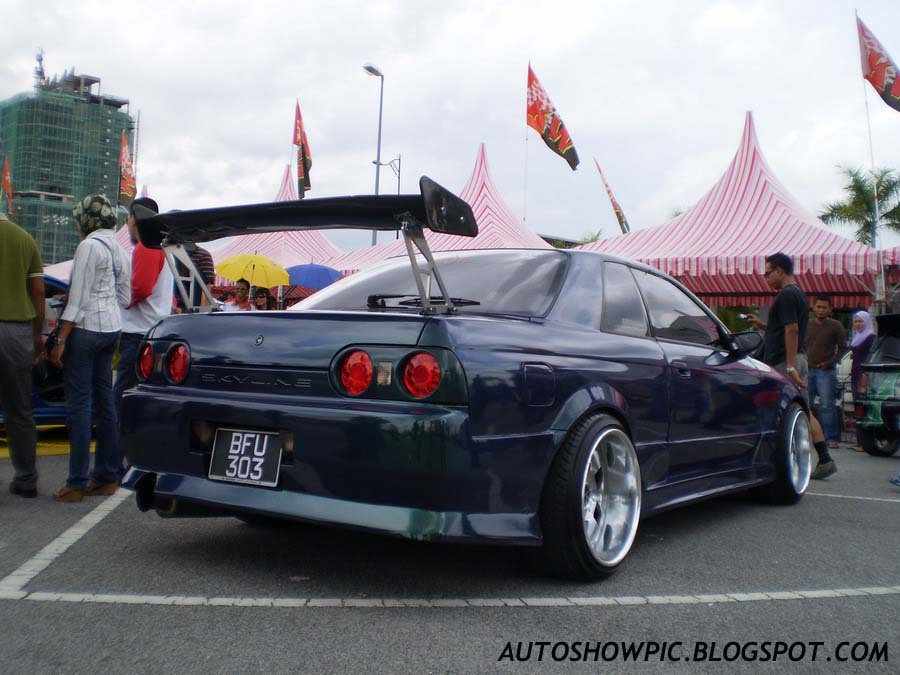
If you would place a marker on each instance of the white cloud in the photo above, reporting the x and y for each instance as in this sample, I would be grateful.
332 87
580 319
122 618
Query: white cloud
656 90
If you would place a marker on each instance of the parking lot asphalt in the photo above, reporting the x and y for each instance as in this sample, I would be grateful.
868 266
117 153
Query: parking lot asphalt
140 593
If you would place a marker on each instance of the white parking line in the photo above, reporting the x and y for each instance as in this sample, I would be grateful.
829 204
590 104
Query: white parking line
15 582
437 603
12 587
864 499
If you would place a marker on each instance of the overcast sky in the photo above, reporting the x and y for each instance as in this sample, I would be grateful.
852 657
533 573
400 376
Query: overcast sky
656 90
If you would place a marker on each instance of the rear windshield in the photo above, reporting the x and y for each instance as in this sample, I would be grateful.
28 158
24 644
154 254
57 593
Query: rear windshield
523 282
886 348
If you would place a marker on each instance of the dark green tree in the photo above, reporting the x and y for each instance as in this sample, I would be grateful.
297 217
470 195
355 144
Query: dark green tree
859 207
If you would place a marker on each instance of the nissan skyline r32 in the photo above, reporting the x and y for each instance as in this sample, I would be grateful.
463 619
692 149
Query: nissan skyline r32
542 398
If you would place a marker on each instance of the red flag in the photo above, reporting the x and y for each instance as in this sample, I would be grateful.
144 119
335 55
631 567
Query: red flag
620 216
541 116
127 182
6 185
877 66
304 159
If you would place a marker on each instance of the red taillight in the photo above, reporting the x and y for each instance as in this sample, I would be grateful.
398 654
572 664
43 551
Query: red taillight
177 364
145 361
356 372
863 384
421 375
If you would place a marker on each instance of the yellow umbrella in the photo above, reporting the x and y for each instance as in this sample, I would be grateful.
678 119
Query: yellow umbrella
257 269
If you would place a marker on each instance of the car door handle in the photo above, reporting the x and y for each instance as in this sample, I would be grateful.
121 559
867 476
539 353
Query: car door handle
681 368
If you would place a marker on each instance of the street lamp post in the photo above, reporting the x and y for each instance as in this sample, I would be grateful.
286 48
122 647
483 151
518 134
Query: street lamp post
372 70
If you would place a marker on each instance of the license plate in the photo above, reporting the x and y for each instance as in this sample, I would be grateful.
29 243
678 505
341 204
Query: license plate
244 456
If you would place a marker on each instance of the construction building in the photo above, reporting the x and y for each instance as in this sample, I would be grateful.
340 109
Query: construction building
63 142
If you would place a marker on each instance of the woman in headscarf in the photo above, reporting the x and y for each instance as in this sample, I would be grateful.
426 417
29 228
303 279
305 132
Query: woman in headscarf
860 344
88 336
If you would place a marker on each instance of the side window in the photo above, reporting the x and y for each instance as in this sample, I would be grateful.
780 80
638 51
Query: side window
674 314
581 303
623 309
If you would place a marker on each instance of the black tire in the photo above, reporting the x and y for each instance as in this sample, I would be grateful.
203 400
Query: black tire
879 441
793 465
593 445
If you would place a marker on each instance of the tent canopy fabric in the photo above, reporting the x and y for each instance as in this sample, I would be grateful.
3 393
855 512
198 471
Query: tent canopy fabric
286 248
718 247
288 190
891 256
498 226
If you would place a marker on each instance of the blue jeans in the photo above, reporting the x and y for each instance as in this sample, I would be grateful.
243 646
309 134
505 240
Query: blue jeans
126 376
823 382
87 375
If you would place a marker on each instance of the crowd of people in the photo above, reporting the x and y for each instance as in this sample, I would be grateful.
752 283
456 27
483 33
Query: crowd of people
112 302
807 352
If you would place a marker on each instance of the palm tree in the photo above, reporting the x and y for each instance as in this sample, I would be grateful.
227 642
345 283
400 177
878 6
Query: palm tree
591 237
859 208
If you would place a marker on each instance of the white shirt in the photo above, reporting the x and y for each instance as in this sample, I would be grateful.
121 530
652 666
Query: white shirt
143 316
96 293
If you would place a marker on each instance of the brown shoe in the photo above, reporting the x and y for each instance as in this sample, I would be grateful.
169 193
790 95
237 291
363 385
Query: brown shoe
67 494
100 489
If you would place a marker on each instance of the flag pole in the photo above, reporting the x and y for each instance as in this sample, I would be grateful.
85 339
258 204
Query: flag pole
872 160
137 141
525 185
880 288
871 151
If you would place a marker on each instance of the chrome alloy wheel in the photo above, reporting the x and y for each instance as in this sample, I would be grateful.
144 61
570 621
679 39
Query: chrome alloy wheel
611 497
799 454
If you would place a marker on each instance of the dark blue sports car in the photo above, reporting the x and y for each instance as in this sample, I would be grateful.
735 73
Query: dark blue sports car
542 398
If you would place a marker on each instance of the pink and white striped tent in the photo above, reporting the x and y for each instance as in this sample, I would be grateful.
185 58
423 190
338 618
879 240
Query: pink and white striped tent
498 226
287 248
891 256
717 248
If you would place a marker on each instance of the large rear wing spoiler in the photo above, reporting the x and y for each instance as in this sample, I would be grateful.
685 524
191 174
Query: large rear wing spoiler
435 208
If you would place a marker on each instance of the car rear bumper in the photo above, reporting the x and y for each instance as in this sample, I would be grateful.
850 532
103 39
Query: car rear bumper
409 469
881 413
166 491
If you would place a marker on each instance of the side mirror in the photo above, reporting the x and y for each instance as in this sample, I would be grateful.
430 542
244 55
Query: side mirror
745 343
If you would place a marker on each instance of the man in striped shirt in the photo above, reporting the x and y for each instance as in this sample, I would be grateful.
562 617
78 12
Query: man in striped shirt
21 320
91 322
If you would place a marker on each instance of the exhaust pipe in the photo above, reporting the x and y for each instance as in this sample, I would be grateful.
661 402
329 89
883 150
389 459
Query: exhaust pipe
143 491
169 507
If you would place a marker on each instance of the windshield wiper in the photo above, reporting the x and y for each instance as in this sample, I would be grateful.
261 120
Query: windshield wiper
457 302
378 301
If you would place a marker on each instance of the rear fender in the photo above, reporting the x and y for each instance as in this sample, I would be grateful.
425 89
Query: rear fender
588 400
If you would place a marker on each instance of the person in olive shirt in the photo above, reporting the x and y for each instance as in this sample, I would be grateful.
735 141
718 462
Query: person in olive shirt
785 339
21 322
826 342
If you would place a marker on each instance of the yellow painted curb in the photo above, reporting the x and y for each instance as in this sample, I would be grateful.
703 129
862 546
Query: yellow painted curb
45 448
